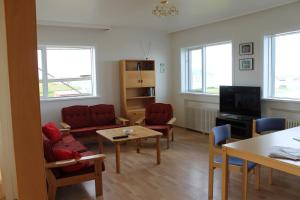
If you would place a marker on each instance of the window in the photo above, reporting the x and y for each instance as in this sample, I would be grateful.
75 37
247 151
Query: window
66 71
283 69
208 67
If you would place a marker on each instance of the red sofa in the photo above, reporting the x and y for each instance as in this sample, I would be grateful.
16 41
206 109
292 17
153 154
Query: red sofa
68 161
83 121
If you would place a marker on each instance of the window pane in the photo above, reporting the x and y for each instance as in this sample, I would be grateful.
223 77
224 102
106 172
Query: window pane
287 68
69 88
69 63
218 67
40 71
195 69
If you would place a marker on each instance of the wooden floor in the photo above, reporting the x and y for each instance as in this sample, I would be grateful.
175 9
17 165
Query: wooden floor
182 175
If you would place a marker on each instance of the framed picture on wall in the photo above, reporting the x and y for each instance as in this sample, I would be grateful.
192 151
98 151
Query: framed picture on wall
246 64
246 48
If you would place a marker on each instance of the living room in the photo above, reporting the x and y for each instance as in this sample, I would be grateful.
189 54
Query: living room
136 34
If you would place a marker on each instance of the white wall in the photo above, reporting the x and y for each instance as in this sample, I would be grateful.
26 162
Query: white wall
250 28
111 46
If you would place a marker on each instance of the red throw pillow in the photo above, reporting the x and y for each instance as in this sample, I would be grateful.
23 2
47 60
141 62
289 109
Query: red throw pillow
64 154
52 132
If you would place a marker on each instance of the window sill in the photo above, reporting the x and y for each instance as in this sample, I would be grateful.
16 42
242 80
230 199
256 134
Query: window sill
199 94
69 98
282 100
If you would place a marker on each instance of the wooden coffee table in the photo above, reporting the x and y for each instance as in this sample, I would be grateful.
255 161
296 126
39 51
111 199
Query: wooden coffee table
138 133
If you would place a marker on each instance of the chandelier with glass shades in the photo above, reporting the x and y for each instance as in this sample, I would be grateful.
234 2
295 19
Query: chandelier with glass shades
165 9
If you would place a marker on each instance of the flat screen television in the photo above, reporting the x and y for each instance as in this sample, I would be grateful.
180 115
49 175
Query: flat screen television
240 100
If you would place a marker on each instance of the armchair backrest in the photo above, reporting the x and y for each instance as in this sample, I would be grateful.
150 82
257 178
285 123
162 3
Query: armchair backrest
268 124
102 114
76 116
158 114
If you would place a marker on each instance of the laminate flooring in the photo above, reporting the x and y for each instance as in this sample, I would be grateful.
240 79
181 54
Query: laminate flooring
182 174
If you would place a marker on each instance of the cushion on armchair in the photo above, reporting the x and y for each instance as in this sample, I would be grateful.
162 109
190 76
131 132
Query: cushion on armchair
52 132
76 116
102 114
158 114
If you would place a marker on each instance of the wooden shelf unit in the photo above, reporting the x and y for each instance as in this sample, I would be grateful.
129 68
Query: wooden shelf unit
137 87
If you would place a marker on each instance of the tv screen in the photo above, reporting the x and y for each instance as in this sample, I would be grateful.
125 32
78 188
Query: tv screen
240 100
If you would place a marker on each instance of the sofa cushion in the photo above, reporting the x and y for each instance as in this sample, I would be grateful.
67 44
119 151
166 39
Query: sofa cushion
52 132
48 153
83 131
64 154
109 126
102 114
158 114
67 138
71 146
160 128
76 116
89 131
89 168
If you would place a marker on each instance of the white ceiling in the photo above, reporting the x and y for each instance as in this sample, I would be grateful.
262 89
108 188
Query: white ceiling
138 13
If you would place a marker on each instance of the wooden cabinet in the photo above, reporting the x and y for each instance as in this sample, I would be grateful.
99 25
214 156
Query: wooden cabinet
147 78
137 87
133 79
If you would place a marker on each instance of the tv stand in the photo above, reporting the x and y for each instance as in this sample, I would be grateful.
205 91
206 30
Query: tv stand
241 126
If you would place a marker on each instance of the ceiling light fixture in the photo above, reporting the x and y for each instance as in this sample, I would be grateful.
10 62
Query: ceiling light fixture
165 9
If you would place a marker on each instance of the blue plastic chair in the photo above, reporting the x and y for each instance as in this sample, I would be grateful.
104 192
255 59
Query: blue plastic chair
268 124
218 136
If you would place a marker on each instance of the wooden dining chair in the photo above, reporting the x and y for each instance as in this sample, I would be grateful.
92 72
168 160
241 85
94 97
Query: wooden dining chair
218 136
266 125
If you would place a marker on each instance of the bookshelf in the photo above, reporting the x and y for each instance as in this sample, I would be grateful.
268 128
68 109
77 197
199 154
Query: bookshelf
137 87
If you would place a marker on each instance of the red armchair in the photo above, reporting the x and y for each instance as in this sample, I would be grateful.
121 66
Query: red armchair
78 166
84 121
159 117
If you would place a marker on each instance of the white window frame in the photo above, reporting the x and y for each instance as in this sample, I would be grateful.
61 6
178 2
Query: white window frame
188 80
269 66
45 80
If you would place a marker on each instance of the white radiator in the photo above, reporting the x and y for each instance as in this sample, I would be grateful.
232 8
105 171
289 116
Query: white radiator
292 123
200 119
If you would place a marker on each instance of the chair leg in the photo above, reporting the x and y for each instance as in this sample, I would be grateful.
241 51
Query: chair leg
270 176
98 179
51 192
168 140
257 177
172 135
211 183
245 180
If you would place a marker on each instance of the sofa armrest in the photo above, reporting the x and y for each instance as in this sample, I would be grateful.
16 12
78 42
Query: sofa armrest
65 125
64 163
140 121
171 121
123 121
64 131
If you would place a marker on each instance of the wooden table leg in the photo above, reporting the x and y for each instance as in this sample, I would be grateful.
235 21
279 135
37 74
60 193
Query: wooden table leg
100 144
138 146
224 174
98 179
158 149
117 146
